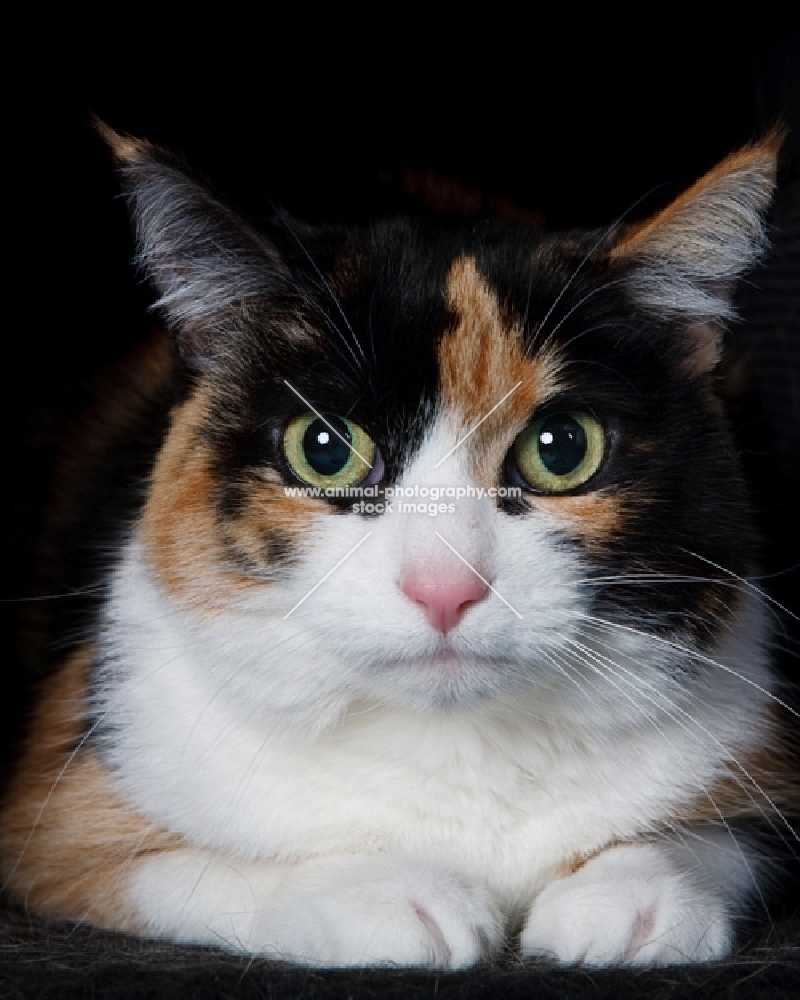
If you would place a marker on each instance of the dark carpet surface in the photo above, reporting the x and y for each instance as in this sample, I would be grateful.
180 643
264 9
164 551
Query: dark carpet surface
57 960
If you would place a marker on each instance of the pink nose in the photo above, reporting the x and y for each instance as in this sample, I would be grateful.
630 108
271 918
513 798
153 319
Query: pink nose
444 599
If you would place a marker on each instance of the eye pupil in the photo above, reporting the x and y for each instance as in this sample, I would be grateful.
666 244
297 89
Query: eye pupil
325 451
562 444
559 452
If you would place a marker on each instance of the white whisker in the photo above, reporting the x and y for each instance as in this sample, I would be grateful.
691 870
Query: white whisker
604 235
325 284
693 653
582 301
700 785
744 582
640 682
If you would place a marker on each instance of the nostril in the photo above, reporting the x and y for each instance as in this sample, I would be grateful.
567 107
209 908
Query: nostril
444 600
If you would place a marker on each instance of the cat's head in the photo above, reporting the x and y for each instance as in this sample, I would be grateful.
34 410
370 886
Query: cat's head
544 404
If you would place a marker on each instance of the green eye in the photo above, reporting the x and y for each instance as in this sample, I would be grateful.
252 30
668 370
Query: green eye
329 452
558 452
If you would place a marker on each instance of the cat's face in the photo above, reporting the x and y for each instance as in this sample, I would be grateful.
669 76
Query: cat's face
552 398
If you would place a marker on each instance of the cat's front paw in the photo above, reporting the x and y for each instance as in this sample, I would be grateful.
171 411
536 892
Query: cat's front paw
364 912
628 906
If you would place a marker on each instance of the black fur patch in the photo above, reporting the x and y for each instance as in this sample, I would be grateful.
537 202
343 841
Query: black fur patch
375 301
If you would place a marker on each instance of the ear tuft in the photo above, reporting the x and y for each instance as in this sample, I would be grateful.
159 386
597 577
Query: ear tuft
687 259
209 266
124 148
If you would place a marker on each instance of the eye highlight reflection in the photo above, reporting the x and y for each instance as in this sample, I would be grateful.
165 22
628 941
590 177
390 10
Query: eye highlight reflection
560 451
330 452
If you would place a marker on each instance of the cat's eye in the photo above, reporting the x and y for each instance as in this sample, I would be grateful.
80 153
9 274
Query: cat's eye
330 452
560 451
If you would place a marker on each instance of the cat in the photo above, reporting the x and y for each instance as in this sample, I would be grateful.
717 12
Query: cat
429 636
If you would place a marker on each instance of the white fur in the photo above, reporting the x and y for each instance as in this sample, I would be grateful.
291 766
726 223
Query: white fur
631 905
329 911
361 790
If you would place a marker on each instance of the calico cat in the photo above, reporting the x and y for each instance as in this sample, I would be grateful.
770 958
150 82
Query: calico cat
429 634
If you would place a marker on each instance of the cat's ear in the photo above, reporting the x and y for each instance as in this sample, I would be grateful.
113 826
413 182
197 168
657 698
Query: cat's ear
685 261
209 266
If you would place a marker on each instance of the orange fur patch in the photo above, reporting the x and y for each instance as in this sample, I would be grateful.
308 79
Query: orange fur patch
648 236
773 766
180 527
481 361
596 516
178 524
125 148
269 519
574 864
67 838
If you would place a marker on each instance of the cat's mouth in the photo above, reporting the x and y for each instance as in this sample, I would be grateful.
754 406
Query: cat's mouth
449 663
444 679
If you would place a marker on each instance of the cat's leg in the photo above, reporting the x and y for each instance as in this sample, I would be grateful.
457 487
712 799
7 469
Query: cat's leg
342 911
72 846
656 903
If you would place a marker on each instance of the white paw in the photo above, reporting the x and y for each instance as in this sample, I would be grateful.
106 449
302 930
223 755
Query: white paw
628 906
368 911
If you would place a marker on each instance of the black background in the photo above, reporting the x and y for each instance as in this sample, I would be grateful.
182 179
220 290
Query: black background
556 132
522 122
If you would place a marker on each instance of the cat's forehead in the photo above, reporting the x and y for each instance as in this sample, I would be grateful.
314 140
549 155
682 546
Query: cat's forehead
481 329
484 360
416 326
459 309
401 327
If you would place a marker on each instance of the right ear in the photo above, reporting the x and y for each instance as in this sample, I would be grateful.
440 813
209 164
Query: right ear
209 266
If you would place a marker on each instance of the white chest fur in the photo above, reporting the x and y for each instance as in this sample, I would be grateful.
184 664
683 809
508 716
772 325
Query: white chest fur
504 792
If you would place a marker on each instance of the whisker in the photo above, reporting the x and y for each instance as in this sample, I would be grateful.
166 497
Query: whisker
552 658
46 800
323 281
700 785
640 681
77 592
109 891
588 330
744 581
582 301
696 654
650 577
604 235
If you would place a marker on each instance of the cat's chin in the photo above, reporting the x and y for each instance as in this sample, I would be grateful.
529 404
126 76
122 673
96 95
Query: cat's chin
448 664
444 680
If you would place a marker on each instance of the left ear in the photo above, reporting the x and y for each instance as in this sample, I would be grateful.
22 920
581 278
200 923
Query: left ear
209 266
686 260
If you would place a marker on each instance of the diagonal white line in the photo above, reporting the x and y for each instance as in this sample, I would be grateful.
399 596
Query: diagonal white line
338 564
478 575
472 431
330 425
